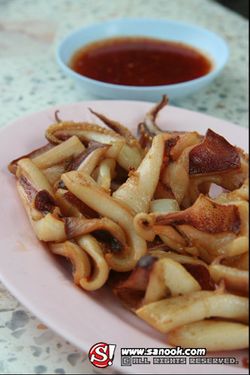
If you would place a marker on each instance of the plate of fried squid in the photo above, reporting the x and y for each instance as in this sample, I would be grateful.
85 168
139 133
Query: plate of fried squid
129 220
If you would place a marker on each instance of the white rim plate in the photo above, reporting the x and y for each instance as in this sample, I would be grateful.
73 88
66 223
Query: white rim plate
40 281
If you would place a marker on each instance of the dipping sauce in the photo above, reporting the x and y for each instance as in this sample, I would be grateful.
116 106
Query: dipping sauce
140 61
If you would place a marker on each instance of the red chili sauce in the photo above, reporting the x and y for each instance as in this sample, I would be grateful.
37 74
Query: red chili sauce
140 61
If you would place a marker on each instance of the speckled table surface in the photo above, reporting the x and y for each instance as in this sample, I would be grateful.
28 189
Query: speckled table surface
30 80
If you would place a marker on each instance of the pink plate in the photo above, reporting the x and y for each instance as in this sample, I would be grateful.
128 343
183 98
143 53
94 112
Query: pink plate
39 280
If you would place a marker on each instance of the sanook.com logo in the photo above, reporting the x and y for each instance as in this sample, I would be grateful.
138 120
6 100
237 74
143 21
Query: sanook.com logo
101 355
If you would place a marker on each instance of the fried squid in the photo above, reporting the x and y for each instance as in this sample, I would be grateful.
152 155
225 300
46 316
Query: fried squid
142 215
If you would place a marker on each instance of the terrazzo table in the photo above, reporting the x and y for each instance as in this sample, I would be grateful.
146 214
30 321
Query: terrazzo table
30 80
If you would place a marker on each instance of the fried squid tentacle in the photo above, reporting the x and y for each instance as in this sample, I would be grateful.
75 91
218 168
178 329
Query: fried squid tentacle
167 233
150 117
87 190
144 226
147 129
117 127
129 156
86 132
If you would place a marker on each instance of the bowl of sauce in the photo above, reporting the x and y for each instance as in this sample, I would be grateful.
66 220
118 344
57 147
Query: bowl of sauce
142 59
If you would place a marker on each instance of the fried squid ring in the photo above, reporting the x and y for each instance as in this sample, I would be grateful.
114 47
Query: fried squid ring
78 258
235 280
71 206
155 278
77 226
131 288
183 142
100 273
87 190
195 266
241 261
53 160
27 170
214 335
49 228
176 177
170 276
38 200
88 162
138 190
105 173
80 255
13 164
174 312
241 194
54 173
146 228
167 234
67 150
160 252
